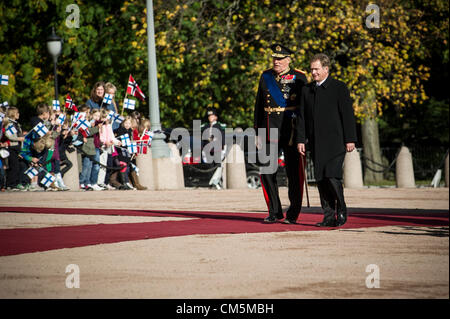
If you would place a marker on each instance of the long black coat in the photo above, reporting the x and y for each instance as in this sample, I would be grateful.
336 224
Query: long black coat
326 122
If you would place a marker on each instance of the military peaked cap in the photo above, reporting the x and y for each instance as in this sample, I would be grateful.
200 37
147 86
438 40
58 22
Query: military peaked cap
280 51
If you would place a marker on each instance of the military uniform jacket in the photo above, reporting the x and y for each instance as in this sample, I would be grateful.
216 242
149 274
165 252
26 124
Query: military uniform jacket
327 122
289 85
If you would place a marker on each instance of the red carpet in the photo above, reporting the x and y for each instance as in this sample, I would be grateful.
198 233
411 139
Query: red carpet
27 240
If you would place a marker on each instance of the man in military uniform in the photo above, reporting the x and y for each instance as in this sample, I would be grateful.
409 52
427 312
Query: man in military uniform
276 107
212 131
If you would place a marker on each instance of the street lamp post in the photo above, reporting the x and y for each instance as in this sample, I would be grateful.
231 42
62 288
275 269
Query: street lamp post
54 46
160 148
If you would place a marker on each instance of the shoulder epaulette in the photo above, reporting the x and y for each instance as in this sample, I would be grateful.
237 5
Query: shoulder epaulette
302 72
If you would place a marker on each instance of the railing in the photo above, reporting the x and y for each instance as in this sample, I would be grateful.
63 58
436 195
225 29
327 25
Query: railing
426 161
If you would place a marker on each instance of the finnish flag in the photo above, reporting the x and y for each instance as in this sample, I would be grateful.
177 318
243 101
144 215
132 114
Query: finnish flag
48 180
11 130
40 129
56 106
108 98
129 104
4 79
114 117
132 148
83 124
125 139
31 172
61 118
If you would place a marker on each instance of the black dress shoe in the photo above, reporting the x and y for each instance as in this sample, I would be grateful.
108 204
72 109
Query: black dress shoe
327 223
341 219
289 222
271 220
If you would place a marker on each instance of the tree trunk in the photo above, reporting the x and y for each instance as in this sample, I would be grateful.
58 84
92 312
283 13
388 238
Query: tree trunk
372 151
371 139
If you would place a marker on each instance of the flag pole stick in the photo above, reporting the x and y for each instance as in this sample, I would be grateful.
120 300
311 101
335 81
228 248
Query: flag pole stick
123 104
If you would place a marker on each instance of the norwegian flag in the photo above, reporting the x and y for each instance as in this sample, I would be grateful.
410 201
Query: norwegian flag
133 89
84 132
145 142
141 147
31 172
83 126
48 180
61 118
56 106
129 104
4 79
70 104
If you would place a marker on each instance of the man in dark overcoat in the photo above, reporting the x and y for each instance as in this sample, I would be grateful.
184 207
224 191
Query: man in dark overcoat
276 108
326 126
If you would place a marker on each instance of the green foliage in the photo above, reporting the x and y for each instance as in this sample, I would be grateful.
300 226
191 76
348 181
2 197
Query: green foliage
211 53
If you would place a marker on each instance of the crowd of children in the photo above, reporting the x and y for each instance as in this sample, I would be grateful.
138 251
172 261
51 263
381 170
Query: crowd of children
106 143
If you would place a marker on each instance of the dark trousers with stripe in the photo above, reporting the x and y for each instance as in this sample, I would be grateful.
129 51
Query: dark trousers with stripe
296 179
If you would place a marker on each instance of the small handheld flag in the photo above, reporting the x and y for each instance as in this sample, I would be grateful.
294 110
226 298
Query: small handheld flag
40 129
133 89
125 139
61 118
78 116
56 106
114 117
48 180
69 104
5 104
129 104
107 99
150 137
84 132
31 172
110 115
11 130
132 148
4 79
82 124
